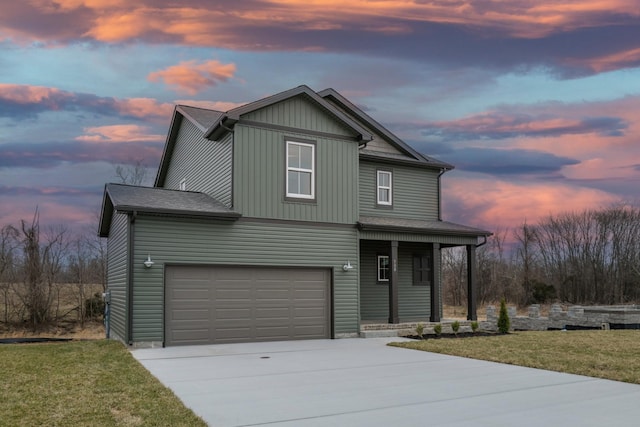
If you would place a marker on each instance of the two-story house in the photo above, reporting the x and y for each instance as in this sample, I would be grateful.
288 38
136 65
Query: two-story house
297 216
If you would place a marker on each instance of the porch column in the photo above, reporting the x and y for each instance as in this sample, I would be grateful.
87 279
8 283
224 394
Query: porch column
471 283
393 283
435 286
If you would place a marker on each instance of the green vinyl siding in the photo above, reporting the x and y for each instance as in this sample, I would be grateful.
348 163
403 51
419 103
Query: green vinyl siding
414 192
260 171
413 301
174 241
301 113
117 268
204 165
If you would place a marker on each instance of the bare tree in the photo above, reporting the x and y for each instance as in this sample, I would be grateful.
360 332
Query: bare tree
8 245
42 264
134 174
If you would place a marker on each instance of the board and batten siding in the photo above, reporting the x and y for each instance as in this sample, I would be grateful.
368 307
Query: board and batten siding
413 301
414 191
210 242
204 165
301 113
117 268
260 173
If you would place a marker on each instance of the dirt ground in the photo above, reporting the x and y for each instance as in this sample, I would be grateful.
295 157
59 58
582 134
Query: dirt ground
92 330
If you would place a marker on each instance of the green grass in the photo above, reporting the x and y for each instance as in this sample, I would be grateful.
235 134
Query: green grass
88 383
603 354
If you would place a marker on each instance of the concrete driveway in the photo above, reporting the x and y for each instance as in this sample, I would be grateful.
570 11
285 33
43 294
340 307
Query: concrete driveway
362 382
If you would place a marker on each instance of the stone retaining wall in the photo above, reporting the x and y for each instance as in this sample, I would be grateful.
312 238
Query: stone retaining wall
602 317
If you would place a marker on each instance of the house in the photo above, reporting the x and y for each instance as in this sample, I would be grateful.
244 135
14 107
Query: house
297 216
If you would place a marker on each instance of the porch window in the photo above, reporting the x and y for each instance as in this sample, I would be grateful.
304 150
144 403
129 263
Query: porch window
383 268
422 264
300 170
384 186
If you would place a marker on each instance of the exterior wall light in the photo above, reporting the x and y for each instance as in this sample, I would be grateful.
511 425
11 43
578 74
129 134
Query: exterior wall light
148 263
347 266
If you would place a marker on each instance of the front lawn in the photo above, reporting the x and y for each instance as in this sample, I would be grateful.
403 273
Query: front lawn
603 354
88 383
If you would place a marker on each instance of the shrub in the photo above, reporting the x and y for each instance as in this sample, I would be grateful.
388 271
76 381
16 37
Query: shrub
419 329
504 323
94 306
437 329
474 326
455 326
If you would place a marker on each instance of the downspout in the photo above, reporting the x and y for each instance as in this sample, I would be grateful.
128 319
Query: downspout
442 171
483 243
132 220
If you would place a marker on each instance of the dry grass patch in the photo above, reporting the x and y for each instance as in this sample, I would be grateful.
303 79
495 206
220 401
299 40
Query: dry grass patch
603 354
89 383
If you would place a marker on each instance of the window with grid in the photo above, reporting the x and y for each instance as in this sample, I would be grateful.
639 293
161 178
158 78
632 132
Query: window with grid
422 266
384 186
300 170
383 268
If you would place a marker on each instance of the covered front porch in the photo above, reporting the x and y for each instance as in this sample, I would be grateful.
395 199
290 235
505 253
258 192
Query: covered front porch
400 273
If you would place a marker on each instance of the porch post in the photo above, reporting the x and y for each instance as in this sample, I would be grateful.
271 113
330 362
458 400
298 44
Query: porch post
393 283
471 283
435 286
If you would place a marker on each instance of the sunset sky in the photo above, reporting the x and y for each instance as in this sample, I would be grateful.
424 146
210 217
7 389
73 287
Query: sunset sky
536 102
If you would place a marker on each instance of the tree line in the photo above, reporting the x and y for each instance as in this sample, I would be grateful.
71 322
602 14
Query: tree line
46 275
588 257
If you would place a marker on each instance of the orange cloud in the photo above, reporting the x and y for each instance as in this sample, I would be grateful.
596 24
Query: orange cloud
191 22
144 107
25 94
210 105
118 133
615 61
192 77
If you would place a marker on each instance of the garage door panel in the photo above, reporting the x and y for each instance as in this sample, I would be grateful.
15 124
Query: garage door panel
229 304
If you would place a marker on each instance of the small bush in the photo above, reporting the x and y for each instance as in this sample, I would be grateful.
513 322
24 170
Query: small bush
504 323
419 329
474 326
94 306
455 326
437 329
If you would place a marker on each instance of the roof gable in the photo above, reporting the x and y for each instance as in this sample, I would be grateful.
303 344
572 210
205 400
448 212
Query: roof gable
384 145
231 117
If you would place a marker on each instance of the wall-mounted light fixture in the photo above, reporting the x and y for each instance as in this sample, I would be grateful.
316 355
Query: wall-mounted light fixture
347 266
148 263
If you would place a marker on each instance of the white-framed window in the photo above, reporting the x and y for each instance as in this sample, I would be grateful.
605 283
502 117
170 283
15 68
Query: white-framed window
183 185
383 268
384 188
301 170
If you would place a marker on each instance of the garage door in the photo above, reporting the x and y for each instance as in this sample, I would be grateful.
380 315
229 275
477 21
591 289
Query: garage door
211 305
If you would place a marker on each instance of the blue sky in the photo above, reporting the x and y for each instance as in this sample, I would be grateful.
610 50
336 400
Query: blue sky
536 102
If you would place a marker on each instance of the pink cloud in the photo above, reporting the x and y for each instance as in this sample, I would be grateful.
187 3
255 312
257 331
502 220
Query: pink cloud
497 203
192 77
118 133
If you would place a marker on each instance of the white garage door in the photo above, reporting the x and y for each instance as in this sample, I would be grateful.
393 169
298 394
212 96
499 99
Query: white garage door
211 305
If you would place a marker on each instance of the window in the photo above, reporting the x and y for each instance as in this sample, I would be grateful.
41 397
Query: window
300 170
422 269
384 188
383 268
183 185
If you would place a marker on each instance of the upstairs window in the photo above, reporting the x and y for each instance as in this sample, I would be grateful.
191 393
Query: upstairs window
383 268
300 170
385 188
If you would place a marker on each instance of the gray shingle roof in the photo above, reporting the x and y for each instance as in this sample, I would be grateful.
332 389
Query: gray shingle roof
201 117
160 201
419 226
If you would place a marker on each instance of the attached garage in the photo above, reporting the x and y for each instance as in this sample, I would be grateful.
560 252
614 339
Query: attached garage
224 304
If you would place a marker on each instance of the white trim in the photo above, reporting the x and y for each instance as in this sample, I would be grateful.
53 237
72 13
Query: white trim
302 170
380 257
183 185
389 187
